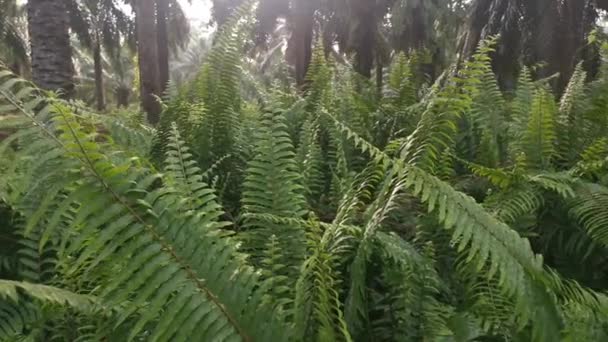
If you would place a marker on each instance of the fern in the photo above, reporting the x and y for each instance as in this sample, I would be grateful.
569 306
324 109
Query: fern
488 119
414 286
570 123
216 87
137 220
508 250
311 162
539 138
317 305
22 307
400 90
272 186
12 290
438 124
386 201
589 209
342 211
521 105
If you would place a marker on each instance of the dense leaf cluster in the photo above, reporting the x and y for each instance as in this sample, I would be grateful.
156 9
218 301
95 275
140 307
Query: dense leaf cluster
425 212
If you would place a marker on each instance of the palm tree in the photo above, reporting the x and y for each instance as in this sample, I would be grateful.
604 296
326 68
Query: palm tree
118 73
14 50
147 52
48 27
100 25
185 66
300 15
302 34
356 25
550 32
173 32
162 11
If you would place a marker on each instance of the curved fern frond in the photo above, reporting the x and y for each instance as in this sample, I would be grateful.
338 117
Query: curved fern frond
590 209
571 123
356 302
17 320
13 290
187 178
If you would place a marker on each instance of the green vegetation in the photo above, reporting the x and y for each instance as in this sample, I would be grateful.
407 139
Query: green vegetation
413 208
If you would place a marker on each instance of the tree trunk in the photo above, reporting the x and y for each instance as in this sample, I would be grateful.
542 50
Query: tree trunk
572 39
542 20
490 18
162 9
99 95
476 22
415 35
48 27
379 78
365 35
122 97
148 59
301 39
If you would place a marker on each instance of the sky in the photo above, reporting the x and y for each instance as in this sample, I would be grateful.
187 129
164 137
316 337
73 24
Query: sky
199 11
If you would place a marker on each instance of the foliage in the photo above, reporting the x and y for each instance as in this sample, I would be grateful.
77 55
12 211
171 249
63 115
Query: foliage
443 212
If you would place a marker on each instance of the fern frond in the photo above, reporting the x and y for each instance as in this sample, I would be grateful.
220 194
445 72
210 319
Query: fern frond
414 286
399 89
491 244
518 202
521 107
310 161
590 209
187 178
570 121
594 160
17 320
488 117
318 309
438 124
217 87
498 177
318 76
272 186
539 139
356 302
13 290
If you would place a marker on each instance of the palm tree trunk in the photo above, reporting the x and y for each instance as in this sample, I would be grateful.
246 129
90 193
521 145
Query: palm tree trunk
99 95
365 33
48 26
122 97
148 59
571 33
301 39
162 9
